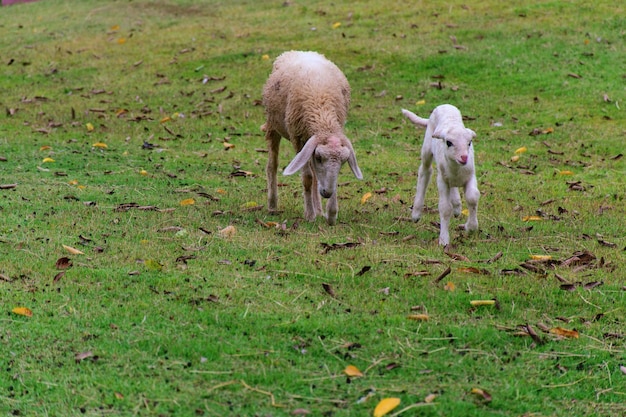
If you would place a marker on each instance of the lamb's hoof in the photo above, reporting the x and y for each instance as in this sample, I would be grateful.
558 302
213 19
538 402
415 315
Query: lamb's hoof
416 217
470 227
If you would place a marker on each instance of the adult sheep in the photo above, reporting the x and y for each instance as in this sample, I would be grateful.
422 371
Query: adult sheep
306 101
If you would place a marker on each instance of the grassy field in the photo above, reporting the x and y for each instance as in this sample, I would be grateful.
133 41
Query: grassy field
130 133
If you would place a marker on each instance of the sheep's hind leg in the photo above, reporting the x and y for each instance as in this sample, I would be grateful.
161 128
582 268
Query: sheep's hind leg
472 195
273 146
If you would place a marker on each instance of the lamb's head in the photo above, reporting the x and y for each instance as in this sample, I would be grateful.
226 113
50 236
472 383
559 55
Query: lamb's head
457 141
326 158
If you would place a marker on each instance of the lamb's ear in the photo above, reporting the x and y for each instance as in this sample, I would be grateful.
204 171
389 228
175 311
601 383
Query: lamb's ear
302 157
471 132
353 165
439 133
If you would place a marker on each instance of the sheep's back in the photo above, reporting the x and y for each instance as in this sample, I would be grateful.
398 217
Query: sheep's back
306 94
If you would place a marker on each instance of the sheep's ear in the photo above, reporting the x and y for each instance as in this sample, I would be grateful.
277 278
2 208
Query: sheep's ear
354 166
302 157
414 118
471 132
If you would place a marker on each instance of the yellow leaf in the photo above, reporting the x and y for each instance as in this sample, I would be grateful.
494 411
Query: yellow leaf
366 197
228 146
115 27
165 119
549 130
515 158
81 187
249 204
188 202
143 172
420 102
541 257
89 127
520 150
121 112
449 286
465 212
100 145
220 191
265 57
73 182
566 172
23 311
144 241
47 160
352 370
559 331
476 303
336 25
45 148
532 218
72 250
228 231
418 317
153 265
385 406
121 41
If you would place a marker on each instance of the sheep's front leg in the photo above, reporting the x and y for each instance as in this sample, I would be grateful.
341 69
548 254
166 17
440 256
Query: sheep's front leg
273 146
311 196
331 209
423 177
472 195
445 211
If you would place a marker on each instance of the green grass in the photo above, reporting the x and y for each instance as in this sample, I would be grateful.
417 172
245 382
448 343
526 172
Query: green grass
179 320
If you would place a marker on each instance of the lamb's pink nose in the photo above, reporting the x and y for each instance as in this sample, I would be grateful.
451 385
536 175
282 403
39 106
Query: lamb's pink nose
463 160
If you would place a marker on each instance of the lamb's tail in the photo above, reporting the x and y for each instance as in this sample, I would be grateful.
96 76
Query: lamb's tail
414 118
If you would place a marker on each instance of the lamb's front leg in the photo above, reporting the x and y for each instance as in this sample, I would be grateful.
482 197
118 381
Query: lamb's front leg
423 177
331 209
311 196
455 200
445 211
472 195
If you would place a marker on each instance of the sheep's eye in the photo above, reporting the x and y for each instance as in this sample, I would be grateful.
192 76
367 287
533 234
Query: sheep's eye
448 143
470 144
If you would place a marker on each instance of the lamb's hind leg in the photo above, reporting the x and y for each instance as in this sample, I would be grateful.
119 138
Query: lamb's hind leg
423 177
445 211
273 145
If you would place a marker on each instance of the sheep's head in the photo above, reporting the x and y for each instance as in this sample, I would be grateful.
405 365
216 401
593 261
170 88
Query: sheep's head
457 141
326 158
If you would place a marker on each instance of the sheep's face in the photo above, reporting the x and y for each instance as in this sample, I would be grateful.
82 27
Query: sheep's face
457 144
325 158
326 162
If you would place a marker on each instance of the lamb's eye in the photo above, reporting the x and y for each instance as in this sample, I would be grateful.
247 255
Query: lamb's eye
448 143
470 144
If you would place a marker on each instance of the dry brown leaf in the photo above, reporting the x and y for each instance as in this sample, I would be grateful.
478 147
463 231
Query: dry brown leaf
418 317
63 263
72 250
559 331
482 394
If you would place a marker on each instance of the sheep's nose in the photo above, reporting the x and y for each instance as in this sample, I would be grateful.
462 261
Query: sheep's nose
325 193
463 160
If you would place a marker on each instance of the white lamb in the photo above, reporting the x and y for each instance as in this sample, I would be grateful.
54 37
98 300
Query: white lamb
306 100
450 143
